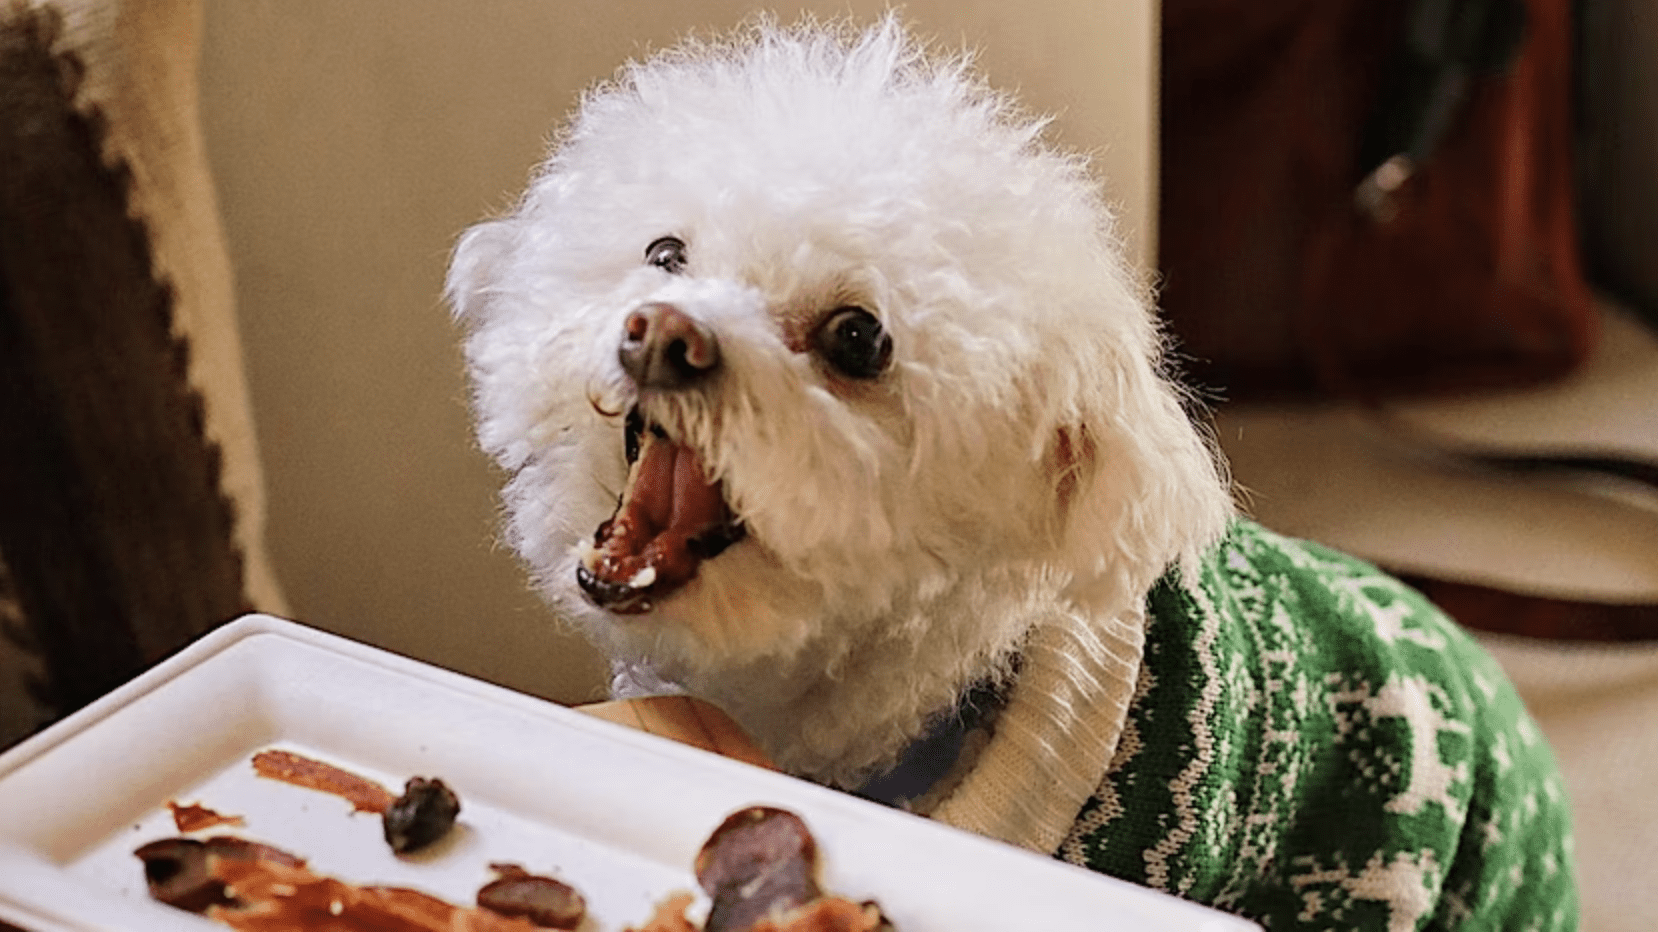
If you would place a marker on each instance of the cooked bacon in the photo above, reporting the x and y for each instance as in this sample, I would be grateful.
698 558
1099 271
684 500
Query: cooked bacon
364 795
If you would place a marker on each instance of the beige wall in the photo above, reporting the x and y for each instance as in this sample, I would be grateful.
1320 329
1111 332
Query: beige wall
353 141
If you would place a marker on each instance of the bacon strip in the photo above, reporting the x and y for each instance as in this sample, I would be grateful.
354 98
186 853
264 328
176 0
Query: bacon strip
363 795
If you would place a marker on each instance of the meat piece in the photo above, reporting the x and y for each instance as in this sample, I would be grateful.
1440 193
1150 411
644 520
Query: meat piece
760 862
760 869
186 873
544 901
424 813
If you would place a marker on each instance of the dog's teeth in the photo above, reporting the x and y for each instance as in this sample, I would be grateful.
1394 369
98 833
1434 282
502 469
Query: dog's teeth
587 553
643 578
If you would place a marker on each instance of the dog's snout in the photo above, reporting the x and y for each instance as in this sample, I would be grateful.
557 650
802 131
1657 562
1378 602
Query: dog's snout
663 347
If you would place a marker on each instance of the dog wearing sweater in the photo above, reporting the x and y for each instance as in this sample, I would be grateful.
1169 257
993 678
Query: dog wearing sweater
826 396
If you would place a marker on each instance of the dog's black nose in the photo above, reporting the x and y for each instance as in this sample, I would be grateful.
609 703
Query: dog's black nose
663 347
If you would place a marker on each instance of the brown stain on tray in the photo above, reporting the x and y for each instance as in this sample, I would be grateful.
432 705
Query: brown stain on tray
194 817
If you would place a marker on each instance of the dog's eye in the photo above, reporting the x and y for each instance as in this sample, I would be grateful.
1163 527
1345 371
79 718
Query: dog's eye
667 254
852 341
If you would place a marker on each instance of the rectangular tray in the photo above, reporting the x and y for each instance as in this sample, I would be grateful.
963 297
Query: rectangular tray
614 812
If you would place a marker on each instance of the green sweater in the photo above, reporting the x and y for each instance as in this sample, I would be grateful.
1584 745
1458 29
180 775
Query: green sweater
1314 746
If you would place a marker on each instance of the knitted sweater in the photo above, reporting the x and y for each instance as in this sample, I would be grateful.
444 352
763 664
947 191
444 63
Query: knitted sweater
1299 739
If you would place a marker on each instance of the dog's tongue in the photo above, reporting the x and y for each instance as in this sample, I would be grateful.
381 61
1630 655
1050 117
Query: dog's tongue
671 490
671 518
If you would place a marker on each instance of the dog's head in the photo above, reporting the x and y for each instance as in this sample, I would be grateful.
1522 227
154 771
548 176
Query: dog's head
799 331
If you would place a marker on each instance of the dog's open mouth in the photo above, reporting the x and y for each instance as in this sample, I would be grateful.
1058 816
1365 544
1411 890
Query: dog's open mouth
670 519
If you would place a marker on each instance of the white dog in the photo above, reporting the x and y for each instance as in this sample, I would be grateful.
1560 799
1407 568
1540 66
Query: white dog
826 396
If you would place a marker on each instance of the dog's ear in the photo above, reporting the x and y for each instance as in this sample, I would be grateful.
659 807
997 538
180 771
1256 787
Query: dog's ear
1071 457
1137 487
472 268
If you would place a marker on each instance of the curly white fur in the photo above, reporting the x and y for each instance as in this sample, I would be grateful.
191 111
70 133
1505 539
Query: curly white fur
1023 451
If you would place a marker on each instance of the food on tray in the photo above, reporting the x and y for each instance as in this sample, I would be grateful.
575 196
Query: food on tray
186 873
424 813
257 888
760 861
195 817
542 900
363 795
827 914
760 870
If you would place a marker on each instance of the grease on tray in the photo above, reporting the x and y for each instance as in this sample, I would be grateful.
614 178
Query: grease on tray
194 817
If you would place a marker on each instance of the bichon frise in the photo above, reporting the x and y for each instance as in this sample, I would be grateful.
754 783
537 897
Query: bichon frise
826 396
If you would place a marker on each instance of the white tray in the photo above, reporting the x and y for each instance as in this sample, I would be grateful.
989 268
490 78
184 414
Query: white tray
616 813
